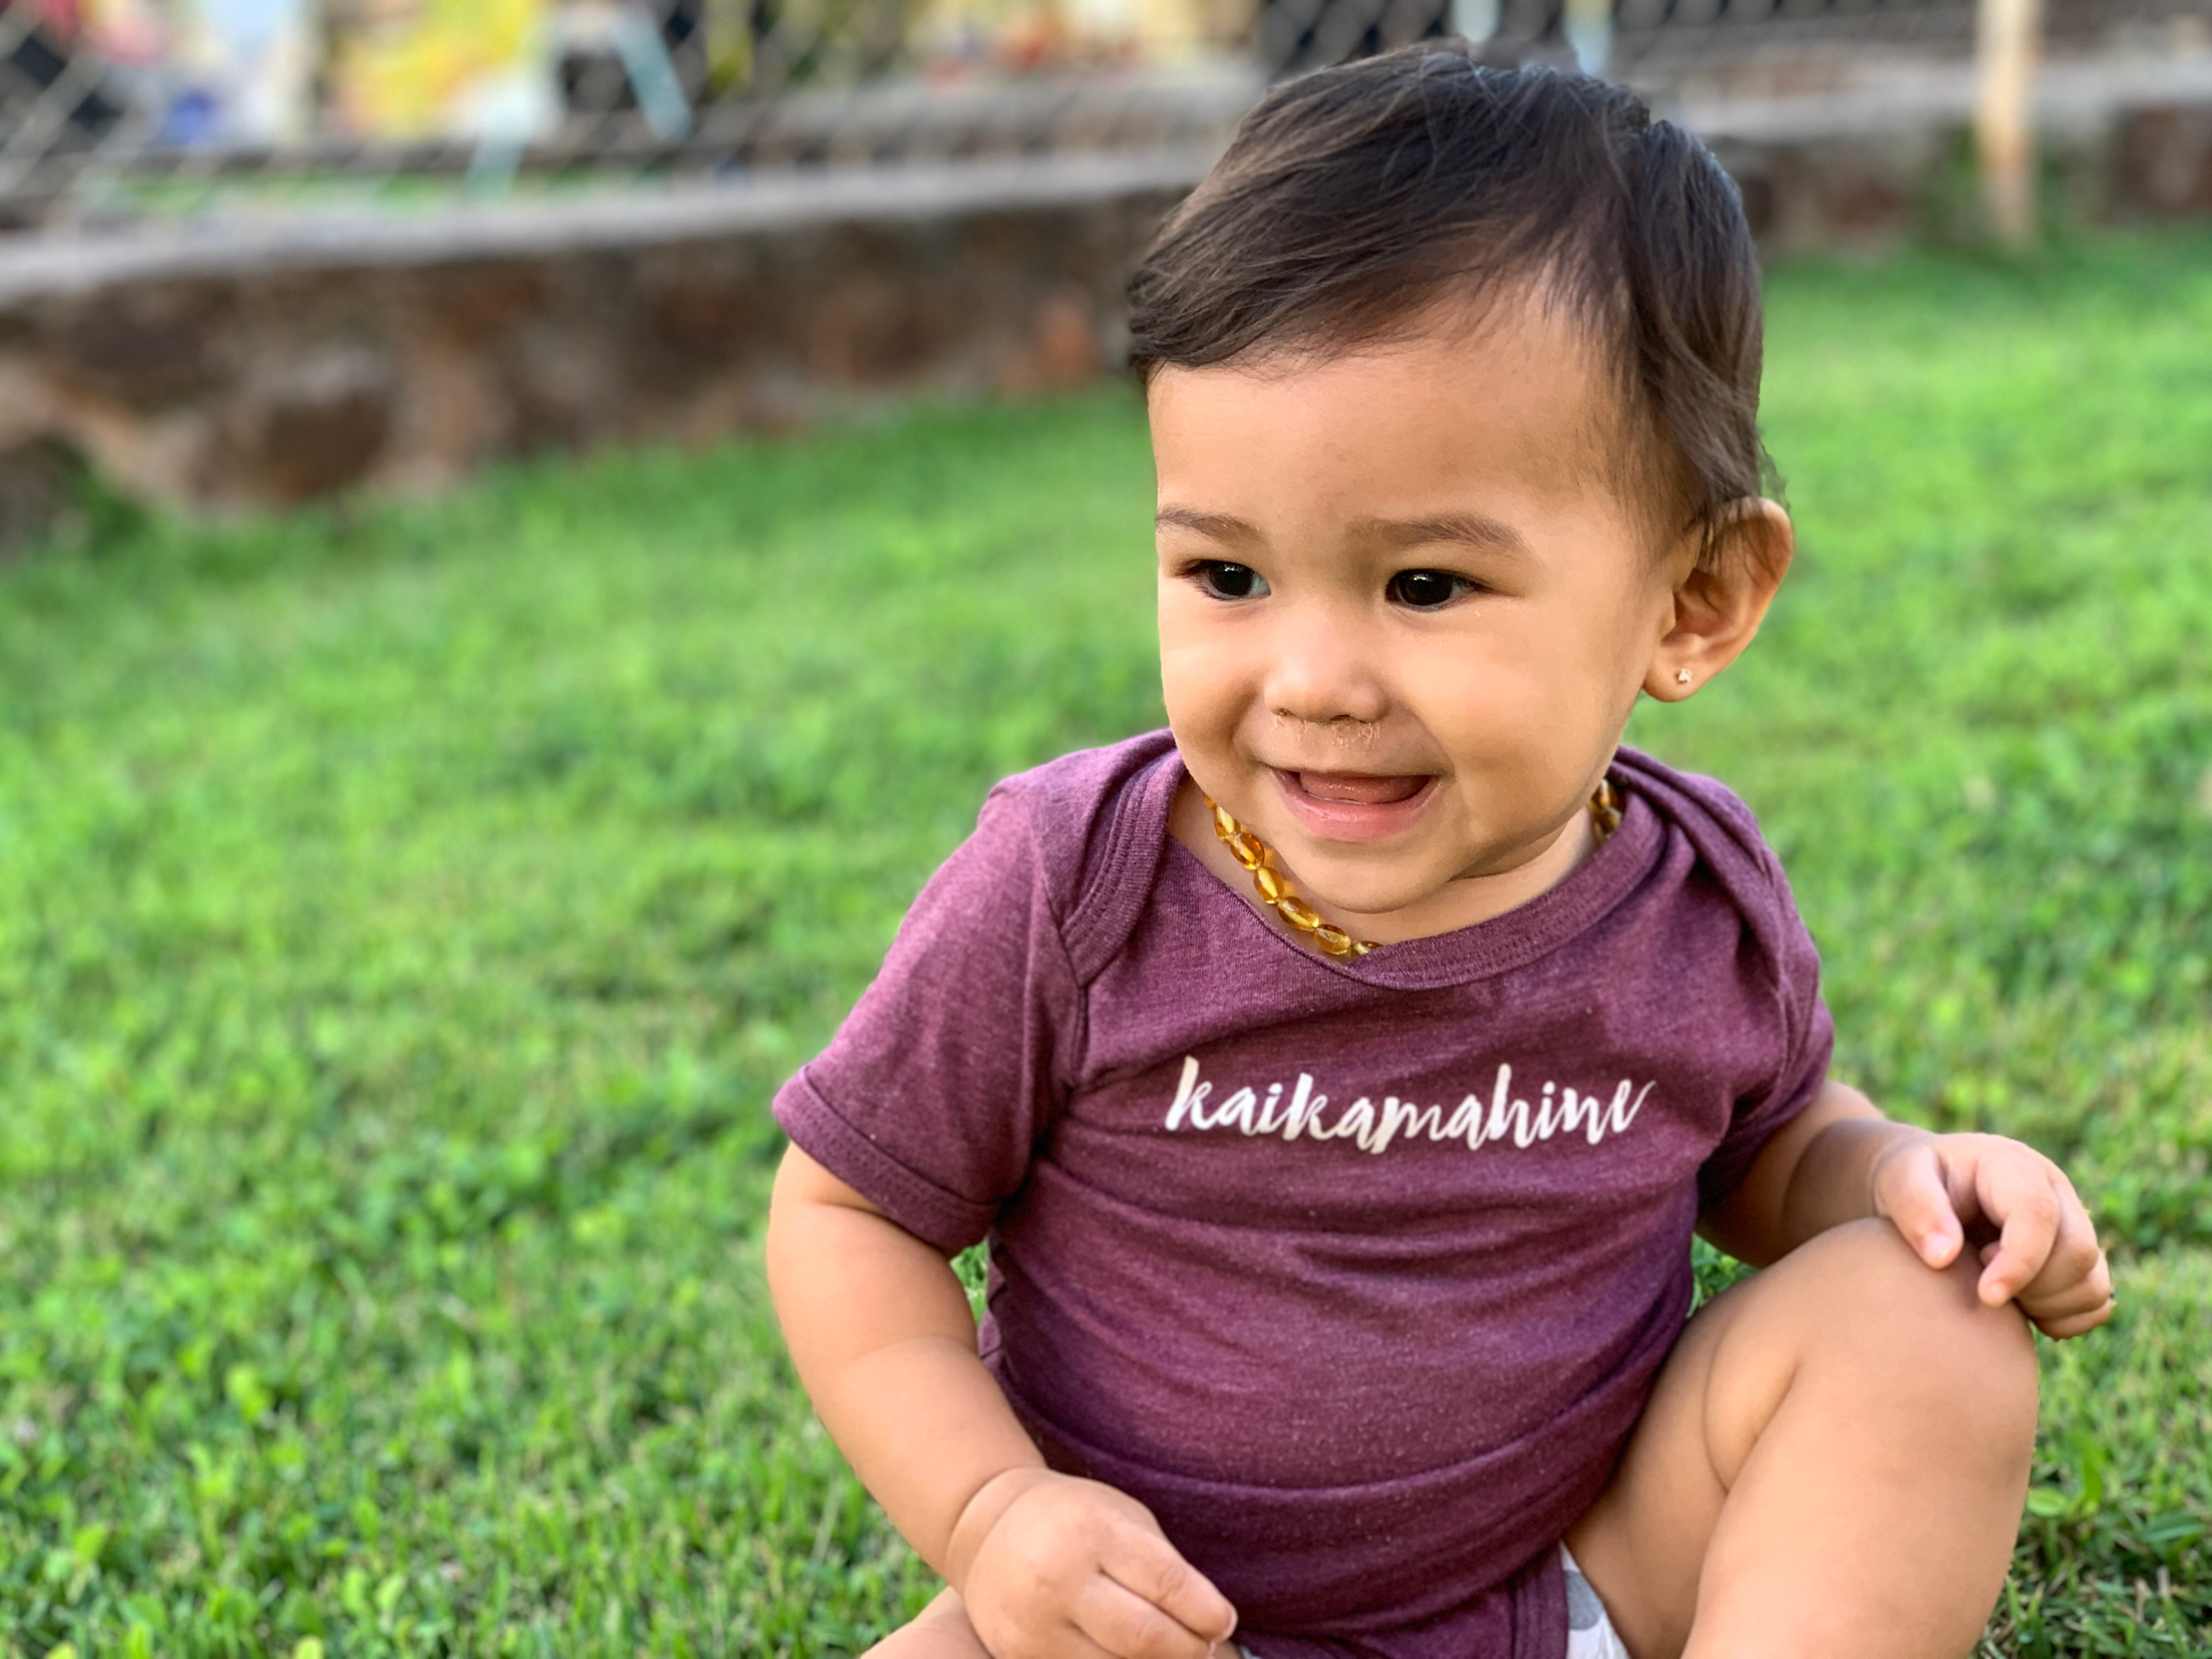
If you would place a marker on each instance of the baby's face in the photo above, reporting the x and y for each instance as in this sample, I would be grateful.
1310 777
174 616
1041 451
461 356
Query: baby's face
1403 613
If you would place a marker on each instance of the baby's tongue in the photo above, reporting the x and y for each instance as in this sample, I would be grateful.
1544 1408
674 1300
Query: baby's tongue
1359 789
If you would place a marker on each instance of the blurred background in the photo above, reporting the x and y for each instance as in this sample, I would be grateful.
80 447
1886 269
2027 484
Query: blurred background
527 528
107 101
262 251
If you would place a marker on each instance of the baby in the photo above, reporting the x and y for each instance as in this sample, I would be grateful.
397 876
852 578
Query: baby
1339 1075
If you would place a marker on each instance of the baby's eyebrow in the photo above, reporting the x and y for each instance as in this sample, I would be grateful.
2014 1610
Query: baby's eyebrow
1468 529
1219 526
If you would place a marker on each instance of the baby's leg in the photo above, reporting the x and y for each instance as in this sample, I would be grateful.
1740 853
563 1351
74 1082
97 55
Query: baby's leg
940 1631
1833 1464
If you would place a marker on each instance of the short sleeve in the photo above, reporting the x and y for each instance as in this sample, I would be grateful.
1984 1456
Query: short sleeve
933 1096
1803 1041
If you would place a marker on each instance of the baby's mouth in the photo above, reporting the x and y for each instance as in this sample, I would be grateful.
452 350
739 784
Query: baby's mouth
1361 788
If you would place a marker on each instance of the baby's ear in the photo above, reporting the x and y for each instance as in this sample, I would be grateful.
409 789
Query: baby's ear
1730 571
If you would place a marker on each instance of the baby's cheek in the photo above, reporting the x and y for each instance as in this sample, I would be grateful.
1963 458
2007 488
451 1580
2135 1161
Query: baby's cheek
1202 719
1529 732
1211 703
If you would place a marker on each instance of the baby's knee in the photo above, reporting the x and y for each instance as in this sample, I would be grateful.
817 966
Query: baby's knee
940 1631
1864 1288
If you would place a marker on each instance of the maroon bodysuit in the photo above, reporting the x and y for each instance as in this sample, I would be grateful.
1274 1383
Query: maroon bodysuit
1357 1274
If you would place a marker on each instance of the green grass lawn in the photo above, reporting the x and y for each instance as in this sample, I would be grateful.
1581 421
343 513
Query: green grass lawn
406 915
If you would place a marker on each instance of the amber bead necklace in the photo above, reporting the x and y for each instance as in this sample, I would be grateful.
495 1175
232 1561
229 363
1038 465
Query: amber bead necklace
1274 891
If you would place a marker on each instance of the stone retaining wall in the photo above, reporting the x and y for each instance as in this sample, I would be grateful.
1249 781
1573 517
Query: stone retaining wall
270 366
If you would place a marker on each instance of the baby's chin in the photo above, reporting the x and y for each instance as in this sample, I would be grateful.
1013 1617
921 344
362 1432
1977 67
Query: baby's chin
1354 891
1409 892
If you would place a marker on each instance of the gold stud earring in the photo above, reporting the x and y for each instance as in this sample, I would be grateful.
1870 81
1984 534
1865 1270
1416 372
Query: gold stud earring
1681 676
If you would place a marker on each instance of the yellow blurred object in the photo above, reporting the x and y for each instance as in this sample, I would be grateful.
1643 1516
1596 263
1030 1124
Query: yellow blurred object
729 30
415 68
1174 29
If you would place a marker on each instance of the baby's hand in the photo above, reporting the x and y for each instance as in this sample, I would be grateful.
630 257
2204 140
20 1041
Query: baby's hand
1071 1569
1935 1188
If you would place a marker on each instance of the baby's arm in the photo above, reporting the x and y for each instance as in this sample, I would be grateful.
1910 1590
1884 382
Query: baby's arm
1840 1160
880 1331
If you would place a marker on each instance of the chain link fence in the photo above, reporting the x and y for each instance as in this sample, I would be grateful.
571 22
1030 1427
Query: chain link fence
126 108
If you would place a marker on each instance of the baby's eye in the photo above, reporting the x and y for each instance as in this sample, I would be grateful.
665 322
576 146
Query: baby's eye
1224 581
1427 590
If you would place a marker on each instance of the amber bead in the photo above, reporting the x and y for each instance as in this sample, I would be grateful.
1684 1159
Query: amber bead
1249 851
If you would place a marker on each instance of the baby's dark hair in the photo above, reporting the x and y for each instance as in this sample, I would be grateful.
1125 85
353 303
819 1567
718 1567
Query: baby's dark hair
1355 201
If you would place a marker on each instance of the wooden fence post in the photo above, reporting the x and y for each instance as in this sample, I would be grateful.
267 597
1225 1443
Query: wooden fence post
2005 50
